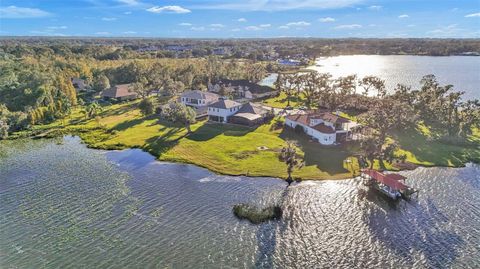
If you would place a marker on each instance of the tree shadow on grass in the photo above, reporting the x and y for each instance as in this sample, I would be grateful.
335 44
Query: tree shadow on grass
158 145
210 130
426 150
329 159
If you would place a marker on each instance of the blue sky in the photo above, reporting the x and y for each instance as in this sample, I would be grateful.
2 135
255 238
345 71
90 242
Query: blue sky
236 18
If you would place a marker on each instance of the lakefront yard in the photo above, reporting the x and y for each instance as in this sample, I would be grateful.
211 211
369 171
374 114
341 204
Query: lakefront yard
238 150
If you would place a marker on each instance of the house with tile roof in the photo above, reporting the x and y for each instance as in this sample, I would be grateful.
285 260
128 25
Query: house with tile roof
325 127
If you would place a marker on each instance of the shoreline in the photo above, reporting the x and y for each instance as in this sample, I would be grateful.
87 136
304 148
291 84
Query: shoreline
220 172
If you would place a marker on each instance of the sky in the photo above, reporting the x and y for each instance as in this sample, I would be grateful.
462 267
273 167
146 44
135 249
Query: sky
241 19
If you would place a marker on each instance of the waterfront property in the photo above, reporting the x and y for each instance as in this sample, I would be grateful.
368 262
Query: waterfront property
199 100
392 185
119 92
221 110
325 127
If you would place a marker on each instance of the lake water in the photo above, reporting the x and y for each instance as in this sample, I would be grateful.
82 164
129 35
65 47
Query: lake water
63 205
461 71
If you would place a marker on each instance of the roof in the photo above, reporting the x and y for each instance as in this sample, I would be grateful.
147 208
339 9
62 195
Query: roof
386 179
197 94
248 116
225 104
323 128
119 91
330 117
253 109
395 176
252 87
300 118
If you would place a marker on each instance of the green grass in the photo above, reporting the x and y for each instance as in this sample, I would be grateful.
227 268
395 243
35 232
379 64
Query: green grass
238 150
281 101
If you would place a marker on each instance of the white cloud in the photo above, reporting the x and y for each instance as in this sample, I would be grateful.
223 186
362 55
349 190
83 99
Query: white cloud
411 25
185 24
403 16
473 15
242 20
326 19
169 9
298 23
108 19
130 32
217 25
103 33
283 27
265 25
376 8
277 5
127 12
14 12
129 2
57 27
253 28
200 28
348 26
236 29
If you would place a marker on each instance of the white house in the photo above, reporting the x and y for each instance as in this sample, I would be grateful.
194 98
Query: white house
198 98
222 109
326 127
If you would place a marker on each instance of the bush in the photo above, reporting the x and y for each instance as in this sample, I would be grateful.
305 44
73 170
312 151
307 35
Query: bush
257 215
299 129
147 107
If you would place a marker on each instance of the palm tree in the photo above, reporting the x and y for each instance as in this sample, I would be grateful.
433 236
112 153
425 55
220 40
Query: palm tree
289 156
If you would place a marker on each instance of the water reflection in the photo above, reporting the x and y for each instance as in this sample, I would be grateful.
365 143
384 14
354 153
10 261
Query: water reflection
66 205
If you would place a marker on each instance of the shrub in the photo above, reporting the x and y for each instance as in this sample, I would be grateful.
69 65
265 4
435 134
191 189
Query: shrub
257 215
147 107
299 129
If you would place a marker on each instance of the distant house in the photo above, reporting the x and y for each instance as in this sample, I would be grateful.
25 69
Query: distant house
242 88
325 127
79 84
289 62
221 110
119 92
250 114
198 98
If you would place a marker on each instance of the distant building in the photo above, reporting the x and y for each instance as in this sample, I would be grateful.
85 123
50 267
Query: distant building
289 62
79 84
119 92
242 89
221 110
325 127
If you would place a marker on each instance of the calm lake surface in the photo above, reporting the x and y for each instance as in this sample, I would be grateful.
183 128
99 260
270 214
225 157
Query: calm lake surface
63 205
461 71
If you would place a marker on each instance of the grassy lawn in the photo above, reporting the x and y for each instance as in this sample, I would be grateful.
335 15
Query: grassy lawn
424 151
238 150
281 101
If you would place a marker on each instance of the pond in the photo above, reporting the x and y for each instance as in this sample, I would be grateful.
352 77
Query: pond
64 205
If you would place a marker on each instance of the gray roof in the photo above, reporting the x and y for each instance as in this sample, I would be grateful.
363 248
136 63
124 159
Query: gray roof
253 109
196 94
225 104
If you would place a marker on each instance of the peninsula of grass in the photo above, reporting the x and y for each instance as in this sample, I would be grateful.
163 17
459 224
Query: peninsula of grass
238 150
